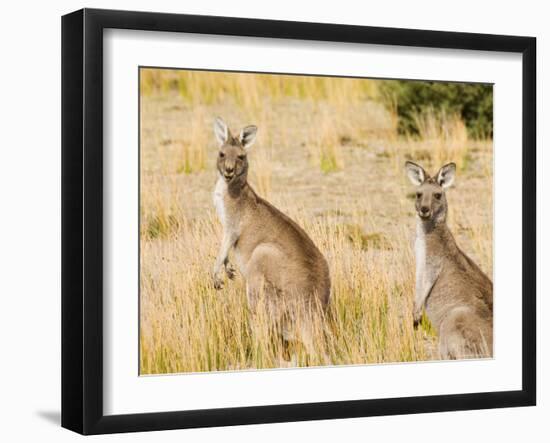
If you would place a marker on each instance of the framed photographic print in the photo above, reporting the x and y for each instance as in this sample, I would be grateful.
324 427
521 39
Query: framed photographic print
270 221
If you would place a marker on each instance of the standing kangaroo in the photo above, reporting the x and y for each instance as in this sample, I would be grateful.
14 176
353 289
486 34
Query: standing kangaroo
457 295
276 257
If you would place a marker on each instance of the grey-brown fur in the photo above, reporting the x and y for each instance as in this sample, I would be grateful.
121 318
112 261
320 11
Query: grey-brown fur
276 257
456 295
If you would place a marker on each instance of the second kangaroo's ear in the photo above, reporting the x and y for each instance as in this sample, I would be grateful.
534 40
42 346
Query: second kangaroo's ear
446 175
247 136
221 131
416 173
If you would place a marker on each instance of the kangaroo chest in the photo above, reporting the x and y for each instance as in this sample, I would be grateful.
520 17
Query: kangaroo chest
219 195
230 217
226 209
428 266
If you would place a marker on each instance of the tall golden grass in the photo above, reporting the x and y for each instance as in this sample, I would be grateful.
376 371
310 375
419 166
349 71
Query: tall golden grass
249 90
329 156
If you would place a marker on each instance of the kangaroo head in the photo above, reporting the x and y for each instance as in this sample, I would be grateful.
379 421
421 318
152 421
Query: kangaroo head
232 160
431 203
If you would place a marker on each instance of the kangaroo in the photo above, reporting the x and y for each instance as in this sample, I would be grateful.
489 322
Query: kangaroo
275 256
456 294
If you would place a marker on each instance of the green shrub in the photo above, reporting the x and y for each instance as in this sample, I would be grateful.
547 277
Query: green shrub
472 101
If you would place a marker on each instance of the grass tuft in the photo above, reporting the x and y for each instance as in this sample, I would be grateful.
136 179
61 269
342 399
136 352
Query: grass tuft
366 241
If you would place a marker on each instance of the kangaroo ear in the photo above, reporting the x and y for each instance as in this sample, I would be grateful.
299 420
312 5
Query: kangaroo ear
247 136
221 131
416 173
446 175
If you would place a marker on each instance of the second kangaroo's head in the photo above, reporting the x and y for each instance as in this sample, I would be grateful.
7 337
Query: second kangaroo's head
431 203
232 160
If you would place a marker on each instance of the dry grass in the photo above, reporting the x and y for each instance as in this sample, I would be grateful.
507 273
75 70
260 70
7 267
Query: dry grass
328 155
445 136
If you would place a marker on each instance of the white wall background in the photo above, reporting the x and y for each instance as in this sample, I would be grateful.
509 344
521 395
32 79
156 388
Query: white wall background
30 218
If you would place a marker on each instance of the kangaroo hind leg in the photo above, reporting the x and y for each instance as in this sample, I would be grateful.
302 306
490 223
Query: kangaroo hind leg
461 336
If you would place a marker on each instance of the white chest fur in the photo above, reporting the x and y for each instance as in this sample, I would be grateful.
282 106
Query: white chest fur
230 223
420 255
220 191
427 267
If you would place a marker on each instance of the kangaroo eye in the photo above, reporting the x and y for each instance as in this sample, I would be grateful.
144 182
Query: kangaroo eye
222 155
418 194
437 195
241 157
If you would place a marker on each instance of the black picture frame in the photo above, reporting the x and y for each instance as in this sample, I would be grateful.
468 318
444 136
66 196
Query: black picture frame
82 220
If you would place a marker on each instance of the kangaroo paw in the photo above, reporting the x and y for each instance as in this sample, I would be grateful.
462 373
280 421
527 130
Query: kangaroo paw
417 317
218 282
231 272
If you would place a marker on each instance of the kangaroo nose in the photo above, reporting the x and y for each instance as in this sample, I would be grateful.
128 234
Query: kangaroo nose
229 169
424 209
